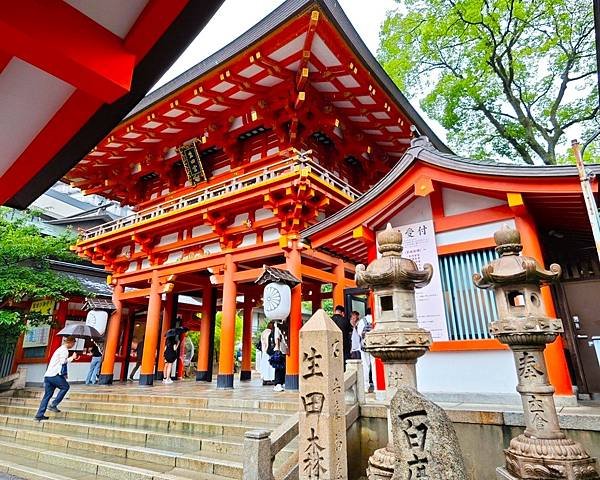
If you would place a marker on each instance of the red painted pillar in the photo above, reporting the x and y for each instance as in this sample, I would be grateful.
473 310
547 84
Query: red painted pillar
340 284
112 338
151 335
225 376
202 373
294 265
246 367
558 371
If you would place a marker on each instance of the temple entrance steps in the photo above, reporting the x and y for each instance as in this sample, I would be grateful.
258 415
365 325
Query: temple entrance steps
138 433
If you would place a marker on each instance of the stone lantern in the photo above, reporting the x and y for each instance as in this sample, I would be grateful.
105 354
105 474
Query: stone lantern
542 451
397 340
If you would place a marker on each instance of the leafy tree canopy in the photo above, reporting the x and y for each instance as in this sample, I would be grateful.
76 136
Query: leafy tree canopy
25 272
504 77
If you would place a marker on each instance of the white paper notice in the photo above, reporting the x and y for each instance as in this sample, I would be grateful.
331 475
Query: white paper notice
419 244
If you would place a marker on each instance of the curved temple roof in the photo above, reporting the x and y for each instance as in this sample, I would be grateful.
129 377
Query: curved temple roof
423 151
302 64
270 23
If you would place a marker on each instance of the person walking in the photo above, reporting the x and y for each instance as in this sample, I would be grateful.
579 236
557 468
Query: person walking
139 350
171 346
355 340
343 324
267 344
368 361
92 375
281 351
56 377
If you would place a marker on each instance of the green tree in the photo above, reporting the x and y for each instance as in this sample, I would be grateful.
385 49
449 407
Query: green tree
25 273
504 77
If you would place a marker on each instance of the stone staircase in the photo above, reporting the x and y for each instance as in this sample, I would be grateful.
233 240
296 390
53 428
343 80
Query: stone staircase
135 435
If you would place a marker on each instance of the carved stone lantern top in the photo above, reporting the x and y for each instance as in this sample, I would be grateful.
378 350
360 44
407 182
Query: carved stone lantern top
391 269
512 268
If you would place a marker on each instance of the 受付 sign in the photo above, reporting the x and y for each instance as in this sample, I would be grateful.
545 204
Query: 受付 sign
419 244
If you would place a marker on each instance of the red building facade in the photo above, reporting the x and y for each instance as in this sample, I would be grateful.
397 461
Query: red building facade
290 123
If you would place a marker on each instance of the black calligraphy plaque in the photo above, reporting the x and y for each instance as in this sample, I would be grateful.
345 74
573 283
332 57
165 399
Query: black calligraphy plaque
192 163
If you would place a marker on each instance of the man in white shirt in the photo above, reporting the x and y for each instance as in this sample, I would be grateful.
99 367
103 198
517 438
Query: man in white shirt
55 378
368 361
355 340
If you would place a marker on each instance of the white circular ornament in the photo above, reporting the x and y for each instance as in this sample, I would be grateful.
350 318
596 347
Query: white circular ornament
277 299
97 319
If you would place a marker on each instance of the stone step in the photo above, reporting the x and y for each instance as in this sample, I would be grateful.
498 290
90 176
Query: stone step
210 447
285 403
94 464
33 470
159 424
137 437
161 411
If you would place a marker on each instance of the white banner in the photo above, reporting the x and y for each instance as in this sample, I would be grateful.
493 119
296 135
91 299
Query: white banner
419 244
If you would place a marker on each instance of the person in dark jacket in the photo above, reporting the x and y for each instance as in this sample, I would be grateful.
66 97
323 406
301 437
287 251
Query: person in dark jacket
343 324
96 354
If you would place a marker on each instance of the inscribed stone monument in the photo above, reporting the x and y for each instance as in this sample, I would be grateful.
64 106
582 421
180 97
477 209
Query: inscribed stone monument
425 443
322 417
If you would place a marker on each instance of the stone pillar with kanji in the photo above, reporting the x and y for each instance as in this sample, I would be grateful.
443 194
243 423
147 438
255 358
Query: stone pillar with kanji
322 418
542 451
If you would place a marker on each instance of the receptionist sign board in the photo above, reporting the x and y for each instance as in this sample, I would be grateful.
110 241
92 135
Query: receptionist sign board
419 244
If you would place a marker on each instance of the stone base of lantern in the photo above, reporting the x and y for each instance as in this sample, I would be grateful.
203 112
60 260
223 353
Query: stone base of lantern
381 464
559 458
502 474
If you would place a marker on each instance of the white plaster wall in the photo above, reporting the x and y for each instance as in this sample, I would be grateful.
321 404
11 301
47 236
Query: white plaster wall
486 371
271 234
471 233
457 202
35 372
166 239
417 211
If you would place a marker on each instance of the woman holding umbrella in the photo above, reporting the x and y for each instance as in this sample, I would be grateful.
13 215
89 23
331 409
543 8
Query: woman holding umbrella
171 346
96 353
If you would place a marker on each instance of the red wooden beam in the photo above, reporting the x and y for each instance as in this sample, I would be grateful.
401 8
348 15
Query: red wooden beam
60 40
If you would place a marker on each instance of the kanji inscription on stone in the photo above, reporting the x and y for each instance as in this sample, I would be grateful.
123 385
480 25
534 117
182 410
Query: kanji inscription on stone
313 460
310 361
528 366
313 402
322 416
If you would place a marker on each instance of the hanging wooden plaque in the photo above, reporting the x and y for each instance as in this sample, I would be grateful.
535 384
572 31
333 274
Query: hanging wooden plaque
192 163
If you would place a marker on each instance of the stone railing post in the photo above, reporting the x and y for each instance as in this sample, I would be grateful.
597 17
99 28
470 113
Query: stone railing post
359 387
257 455
542 451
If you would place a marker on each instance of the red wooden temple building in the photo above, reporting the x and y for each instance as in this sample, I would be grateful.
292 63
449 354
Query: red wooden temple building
448 209
225 166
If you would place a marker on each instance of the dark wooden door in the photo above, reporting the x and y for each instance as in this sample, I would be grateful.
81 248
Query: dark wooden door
583 299
356 299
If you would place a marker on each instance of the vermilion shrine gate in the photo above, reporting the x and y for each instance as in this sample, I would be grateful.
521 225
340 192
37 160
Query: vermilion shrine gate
291 122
